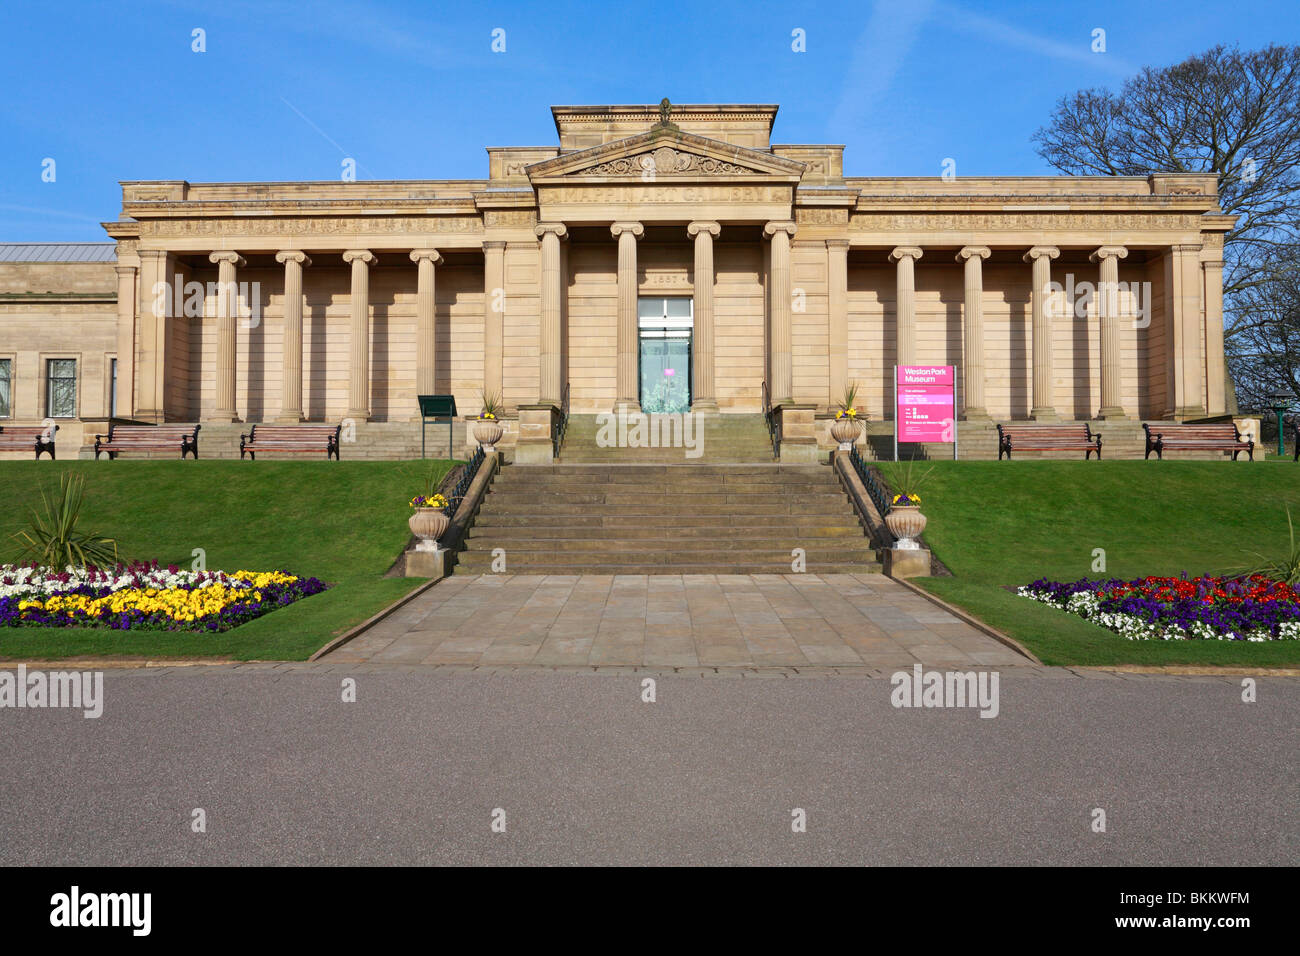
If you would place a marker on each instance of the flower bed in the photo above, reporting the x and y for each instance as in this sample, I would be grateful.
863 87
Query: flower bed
144 597
1175 609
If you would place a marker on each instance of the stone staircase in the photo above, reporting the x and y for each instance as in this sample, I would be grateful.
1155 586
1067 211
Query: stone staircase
667 519
710 439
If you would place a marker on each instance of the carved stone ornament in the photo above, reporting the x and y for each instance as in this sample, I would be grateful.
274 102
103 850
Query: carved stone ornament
665 161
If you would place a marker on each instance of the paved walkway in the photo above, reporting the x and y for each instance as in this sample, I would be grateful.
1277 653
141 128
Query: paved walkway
691 620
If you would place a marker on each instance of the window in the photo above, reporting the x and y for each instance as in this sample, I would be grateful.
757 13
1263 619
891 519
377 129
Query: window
61 388
6 387
112 388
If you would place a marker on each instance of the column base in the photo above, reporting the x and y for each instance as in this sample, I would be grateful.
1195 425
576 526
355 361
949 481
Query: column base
704 405
1189 413
976 415
223 417
1113 414
291 418
1044 415
358 414
627 407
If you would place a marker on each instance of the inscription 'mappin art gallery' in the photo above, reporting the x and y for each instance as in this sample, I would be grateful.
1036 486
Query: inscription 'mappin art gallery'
654 241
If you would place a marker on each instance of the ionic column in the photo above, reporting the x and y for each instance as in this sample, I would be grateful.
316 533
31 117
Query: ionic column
837 304
703 390
627 233
1183 287
494 310
905 304
291 376
973 326
425 330
1107 258
126 280
1043 404
550 346
227 315
782 384
155 299
1216 391
359 345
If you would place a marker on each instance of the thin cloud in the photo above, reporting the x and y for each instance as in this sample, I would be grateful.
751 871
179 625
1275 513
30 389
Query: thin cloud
1007 35
878 56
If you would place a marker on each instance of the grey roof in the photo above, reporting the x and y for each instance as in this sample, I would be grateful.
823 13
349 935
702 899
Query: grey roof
58 251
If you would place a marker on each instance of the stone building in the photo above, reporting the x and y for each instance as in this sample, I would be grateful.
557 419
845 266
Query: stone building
669 257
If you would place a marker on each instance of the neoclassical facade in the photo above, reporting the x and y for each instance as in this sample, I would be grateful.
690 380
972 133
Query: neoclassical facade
665 257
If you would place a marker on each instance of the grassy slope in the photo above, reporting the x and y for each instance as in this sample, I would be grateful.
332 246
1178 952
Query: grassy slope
343 522
1009 523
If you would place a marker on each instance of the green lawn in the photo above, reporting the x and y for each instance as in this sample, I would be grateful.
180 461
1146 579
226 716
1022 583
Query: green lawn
998 524
343 522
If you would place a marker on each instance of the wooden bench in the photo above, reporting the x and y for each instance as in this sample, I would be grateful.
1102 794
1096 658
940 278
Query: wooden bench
1027 437
27 438
1178 436
182 438
307 439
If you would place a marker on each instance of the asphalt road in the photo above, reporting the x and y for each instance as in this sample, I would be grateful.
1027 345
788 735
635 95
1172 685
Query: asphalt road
586 772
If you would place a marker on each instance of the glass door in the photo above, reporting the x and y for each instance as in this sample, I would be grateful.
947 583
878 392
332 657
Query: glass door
664 331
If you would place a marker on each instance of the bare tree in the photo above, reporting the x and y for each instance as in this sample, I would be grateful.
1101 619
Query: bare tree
1227 112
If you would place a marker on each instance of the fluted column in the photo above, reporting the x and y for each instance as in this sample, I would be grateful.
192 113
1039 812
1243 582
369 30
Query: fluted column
1107 259
291 382
359 344
1183 287
627 233
494 309
703 389
973 327
837 305
126 282
425 331
227 315
905 304
550 346
782 384
154 307
1043 403
1216 392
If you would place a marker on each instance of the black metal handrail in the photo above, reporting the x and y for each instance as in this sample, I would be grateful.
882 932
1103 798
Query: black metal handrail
560 424
467 476
773 424
877 491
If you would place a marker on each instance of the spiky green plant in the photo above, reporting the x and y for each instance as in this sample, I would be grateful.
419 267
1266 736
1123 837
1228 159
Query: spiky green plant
904 479
491 405
1284 567
53 537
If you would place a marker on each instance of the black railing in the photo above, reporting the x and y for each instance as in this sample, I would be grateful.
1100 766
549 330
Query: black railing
772 422
560 423
467 476
879 496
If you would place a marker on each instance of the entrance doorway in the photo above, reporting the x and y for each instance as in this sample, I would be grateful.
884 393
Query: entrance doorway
664 328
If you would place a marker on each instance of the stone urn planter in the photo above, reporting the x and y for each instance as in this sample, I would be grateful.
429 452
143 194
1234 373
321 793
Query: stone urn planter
906 523
428 524
487 432
846 431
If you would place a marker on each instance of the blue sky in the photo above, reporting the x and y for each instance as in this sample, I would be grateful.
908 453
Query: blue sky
412 90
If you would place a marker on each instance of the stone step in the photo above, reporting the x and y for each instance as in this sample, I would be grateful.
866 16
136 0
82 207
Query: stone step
667 531
837 506
612 541
721 560
483 564
699 523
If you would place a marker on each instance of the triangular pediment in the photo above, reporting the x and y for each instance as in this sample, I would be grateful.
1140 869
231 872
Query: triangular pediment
666 153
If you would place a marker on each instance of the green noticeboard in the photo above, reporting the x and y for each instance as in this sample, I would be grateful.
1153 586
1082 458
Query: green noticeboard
436 408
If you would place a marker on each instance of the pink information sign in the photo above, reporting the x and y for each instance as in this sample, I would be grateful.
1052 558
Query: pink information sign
925 403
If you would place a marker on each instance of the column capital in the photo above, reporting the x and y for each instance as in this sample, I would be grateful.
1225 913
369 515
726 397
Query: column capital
972 252
618 228
126 270
156 254
433 255
361 255
781 225
558 228
225 256
905 252
838 244
293 255
493 244
703 225
1038 252
1108 252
